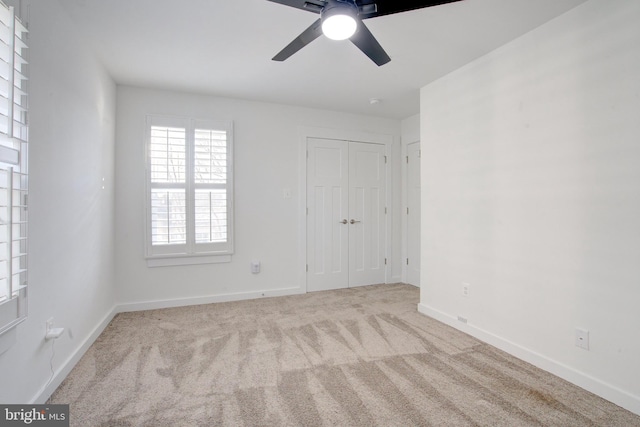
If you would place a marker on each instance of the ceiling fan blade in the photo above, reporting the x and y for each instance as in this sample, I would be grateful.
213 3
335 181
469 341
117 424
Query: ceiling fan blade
388 7
367 43
314 6
307 36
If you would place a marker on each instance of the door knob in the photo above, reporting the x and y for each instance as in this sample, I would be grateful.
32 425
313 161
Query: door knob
344 221
353 221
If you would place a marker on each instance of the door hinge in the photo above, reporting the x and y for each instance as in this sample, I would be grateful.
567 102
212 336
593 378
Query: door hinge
385 159
385 210
307 268
407 261
385 261
407 159
419 153
407 211
307 211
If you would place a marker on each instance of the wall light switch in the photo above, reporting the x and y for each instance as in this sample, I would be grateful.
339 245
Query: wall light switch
255 267
582 338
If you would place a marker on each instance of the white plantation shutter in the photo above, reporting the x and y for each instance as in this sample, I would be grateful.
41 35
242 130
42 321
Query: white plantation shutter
13 109
189 184
211 216
169 216
13 170
168 168
211 156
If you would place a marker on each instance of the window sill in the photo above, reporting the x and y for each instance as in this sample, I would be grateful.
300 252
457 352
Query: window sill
187 260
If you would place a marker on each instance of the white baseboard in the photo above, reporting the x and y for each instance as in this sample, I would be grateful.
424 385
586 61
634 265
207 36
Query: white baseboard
47 390
581 379
182 302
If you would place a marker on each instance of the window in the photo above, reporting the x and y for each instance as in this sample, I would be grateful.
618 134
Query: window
189 191
13 170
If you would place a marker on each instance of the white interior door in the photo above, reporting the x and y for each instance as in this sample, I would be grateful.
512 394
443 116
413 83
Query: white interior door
413 213
327 213
367 191
346 188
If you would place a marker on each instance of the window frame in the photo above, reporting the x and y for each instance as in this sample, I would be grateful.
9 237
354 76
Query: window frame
190 252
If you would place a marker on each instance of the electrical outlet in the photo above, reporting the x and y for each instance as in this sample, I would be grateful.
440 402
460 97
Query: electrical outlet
582 338
462 319
465 289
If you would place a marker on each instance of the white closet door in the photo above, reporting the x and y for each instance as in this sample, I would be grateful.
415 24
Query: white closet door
413 213
367 191
346 187
327 226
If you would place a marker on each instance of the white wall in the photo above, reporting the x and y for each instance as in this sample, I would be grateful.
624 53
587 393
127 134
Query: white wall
267 142
71 263
410 129
531 194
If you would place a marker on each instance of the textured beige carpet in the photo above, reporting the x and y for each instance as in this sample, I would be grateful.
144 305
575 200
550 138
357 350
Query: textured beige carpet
354 357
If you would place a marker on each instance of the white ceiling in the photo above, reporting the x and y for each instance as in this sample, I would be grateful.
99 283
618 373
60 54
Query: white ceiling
224 48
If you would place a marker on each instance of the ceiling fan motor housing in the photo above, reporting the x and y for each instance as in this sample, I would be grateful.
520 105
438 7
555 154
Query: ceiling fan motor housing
339 7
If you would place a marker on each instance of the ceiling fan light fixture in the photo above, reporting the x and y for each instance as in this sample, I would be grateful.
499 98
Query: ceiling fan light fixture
339 27
339 22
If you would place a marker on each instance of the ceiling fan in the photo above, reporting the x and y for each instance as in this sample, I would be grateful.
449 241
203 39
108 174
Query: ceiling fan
342 19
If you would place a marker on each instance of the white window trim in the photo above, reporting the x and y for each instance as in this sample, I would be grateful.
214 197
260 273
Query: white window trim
189 253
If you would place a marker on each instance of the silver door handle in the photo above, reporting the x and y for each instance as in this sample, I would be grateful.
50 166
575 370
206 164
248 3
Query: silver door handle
353 221
344 221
